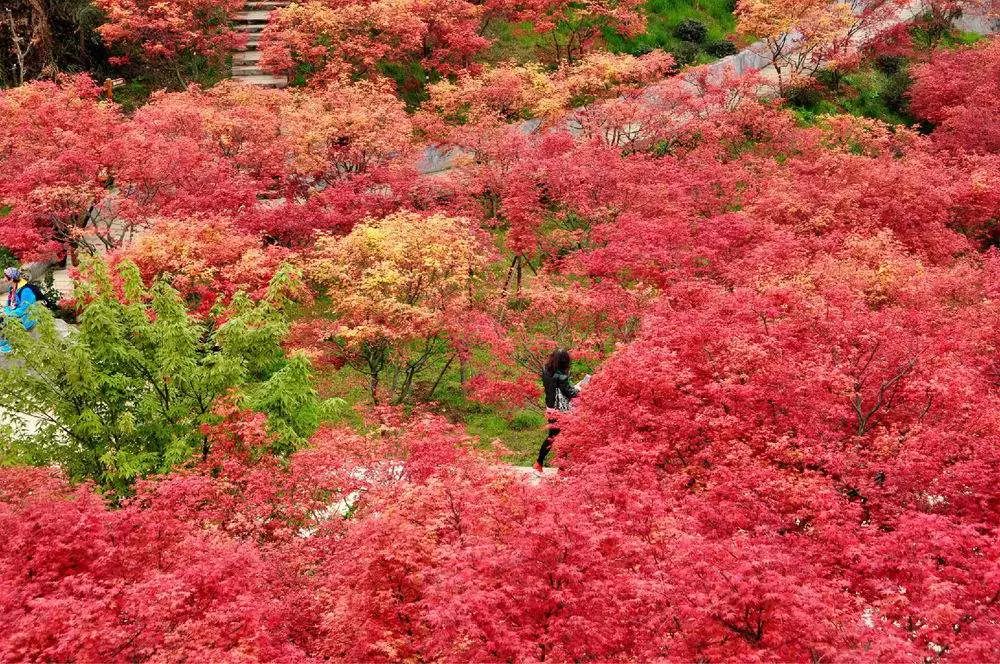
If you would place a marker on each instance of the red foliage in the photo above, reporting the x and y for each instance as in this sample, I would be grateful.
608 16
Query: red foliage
281 164
789 454
86 583
215 563
54 151
230 123
788 428
515 393
153 30
336 39
959 91
206 260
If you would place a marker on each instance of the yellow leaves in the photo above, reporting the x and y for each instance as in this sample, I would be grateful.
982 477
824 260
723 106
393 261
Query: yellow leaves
397 277
772 18
504 93
814 22
324 133
510 91
345 126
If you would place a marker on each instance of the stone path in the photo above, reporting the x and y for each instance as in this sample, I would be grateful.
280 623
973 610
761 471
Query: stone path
528 474
22 425
62 282
438 159
246 63
89 244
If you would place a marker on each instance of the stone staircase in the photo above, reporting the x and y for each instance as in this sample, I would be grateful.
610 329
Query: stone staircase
246 63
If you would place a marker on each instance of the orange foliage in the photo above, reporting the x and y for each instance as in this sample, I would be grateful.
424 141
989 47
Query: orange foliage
401 291
512 92
206 259
799 35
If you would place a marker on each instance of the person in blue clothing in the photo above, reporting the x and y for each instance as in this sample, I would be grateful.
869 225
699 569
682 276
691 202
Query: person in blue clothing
20 297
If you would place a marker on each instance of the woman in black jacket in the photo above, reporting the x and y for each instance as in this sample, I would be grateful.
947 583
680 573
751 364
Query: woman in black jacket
558 394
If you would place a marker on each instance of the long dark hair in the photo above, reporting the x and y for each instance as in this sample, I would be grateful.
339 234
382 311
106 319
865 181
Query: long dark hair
558 362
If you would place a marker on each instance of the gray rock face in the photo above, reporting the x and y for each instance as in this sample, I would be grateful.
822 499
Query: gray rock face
36 270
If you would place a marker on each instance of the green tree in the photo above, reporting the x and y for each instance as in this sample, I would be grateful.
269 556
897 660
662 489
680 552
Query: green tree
127 393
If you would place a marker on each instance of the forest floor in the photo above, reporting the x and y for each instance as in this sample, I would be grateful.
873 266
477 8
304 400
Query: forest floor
521 431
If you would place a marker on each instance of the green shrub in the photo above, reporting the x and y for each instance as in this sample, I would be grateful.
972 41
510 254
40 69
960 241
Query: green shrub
7 257
664 18
685 54
691 30
127 393
830 78
721 48
804 96
889 64
895 94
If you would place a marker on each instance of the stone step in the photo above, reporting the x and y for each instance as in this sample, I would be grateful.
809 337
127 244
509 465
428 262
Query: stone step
252 42
62 283
250 28
246 62
246 70
529 475
263 80
246 58
256 16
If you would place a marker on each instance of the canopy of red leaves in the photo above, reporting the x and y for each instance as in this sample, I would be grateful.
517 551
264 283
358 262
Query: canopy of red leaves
154 30
789 452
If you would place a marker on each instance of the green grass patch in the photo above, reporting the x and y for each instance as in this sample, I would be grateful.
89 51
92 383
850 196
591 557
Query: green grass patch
928 35
663 19
521 431
141 80
961 38
519 42
523 443
877 90
411 81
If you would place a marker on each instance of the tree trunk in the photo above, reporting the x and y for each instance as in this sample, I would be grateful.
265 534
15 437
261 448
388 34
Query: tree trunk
41 43
31 42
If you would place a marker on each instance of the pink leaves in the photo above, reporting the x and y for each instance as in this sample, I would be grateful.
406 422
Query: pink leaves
349 39
206 259
788 450
162 30
505 393
209 563
958 91
55 147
